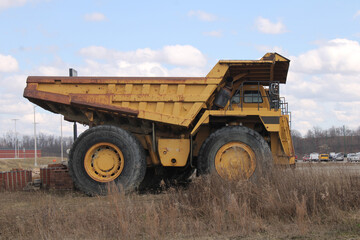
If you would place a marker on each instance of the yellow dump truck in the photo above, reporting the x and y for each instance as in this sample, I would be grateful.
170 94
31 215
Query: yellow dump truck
232 123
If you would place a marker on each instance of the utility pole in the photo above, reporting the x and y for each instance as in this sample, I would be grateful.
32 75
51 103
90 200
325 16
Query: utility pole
35 148
75 131
61 139
344 140
16 154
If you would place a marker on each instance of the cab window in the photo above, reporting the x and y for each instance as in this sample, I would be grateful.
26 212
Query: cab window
252 97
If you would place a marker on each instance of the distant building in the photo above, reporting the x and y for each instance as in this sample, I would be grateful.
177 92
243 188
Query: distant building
10 153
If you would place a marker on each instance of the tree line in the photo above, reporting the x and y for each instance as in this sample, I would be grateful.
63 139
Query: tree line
334 139
49 145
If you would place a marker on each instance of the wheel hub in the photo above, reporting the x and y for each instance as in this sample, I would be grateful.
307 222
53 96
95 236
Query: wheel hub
104 162
105 159
235 161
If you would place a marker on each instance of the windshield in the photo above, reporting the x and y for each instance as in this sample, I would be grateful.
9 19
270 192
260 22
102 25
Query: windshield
252 97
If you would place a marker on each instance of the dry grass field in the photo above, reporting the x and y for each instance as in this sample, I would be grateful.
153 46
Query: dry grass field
7 164
310 202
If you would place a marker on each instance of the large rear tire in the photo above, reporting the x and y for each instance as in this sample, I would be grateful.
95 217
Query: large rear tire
235 153
106 154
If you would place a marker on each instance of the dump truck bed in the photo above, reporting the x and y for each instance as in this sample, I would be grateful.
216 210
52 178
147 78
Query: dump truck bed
168 100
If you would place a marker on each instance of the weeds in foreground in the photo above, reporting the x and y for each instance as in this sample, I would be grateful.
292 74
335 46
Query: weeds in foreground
289 203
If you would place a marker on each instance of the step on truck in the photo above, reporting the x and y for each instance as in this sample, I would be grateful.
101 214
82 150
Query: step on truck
232 123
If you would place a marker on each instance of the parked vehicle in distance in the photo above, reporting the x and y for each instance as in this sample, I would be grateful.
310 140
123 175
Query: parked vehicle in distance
353 157
314 157
332 156
306 158
339 156
324 157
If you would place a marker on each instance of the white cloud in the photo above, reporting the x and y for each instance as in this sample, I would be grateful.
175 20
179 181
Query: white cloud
50 71
264 25
5 4
49 123
13 84
334 56
95 17
184 55
348 113
8 63
97 52
175 60
122 68
203 16
14 105
17 107
177 55
12 3
323 86
213 34
57 67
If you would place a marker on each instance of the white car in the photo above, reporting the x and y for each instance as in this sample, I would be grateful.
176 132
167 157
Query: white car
339 157
314 157
353 157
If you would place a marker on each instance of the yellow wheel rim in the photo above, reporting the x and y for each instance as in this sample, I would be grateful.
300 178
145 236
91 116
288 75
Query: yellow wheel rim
104 162
235 161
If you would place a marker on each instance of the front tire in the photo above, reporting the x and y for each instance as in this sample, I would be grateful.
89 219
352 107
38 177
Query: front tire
106 154
235 153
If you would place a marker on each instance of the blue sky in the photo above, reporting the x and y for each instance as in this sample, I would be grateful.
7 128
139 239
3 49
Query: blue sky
183 38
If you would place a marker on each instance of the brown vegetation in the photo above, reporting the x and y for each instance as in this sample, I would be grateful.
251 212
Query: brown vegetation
305 203
27 163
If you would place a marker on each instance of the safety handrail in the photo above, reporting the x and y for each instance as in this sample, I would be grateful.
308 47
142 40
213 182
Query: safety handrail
275 103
